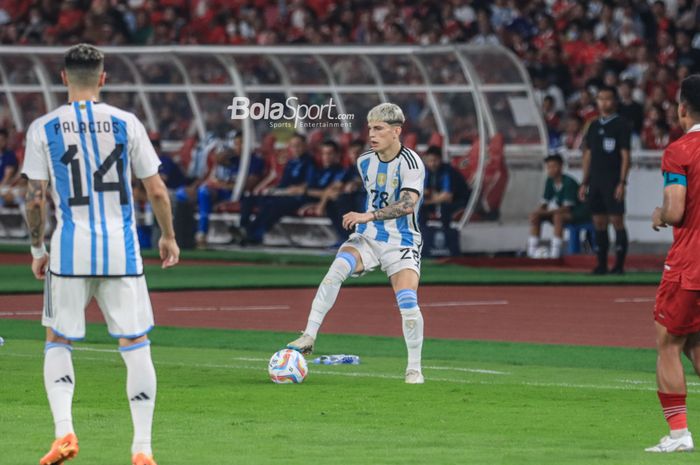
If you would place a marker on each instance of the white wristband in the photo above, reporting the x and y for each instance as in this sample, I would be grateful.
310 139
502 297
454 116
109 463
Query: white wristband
38 252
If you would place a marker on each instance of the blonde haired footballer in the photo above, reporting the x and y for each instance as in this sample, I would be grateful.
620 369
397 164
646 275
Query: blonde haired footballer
386 234
84 153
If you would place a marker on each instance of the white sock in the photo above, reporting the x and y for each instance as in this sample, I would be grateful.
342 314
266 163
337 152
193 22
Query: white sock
141 392
412 325
677 433
532 243
340 270
555 250
59 380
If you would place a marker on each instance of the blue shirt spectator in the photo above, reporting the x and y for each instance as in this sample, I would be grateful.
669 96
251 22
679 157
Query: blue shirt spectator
8 161
227 171
321 178
171 173
326 182
446 192
285 199
447 179
296 171
222 179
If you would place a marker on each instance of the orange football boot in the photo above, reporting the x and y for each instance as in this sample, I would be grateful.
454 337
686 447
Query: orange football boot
62 449
142 459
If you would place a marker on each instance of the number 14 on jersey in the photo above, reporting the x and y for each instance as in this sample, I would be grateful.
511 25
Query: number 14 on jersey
78 198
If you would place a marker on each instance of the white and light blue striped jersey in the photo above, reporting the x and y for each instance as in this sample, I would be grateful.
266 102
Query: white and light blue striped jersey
87 151
384 182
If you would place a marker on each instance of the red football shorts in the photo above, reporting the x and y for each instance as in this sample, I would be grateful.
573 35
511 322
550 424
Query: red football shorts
676 309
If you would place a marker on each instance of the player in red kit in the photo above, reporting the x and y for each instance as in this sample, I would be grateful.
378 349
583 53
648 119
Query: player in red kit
677 309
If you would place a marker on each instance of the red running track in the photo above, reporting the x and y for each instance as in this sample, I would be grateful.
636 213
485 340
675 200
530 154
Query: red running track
581 315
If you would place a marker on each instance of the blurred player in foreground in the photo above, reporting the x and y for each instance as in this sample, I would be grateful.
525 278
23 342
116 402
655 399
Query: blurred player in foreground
677 309
85 151
387 234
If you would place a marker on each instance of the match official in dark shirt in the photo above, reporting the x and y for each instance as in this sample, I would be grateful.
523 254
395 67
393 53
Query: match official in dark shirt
606 163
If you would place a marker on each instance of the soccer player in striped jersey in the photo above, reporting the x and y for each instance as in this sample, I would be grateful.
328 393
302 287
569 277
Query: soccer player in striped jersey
83 153
386 234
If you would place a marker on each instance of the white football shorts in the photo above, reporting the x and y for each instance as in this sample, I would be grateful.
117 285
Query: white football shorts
392 258
124 302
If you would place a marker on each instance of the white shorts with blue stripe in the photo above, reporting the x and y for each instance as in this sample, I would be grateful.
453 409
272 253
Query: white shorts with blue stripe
124 301
391 258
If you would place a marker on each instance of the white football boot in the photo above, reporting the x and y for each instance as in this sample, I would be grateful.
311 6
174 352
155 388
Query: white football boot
669 444
414 377
303 344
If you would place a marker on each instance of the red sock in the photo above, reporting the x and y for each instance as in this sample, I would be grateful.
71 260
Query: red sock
674 410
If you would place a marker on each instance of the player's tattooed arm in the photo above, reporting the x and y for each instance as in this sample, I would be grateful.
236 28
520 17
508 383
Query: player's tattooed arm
404 206
36 210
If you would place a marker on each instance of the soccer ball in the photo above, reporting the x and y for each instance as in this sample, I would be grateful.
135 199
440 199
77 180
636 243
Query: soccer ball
287 366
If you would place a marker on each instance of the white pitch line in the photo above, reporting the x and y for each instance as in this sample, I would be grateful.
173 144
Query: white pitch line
355 374
21 312
90 349
464 303
634 300
250 359
468 370
241 308
636 381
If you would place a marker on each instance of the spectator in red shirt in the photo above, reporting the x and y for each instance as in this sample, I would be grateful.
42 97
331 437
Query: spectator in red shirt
587 109
654 115
546 36
667 50
658 137
663 23
627 35
573 133
593 50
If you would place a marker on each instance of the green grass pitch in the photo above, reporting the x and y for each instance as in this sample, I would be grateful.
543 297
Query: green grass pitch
483 403
19 279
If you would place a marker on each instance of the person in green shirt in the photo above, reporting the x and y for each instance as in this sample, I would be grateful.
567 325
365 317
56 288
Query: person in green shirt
560 206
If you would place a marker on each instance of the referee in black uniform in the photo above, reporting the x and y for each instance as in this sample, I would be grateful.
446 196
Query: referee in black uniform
606 163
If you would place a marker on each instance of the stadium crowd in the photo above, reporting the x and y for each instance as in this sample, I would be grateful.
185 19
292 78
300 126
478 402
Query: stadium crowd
570 49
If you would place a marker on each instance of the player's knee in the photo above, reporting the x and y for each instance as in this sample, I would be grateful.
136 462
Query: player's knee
341 269
349 259
52 337
668 345
57 345
126 344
